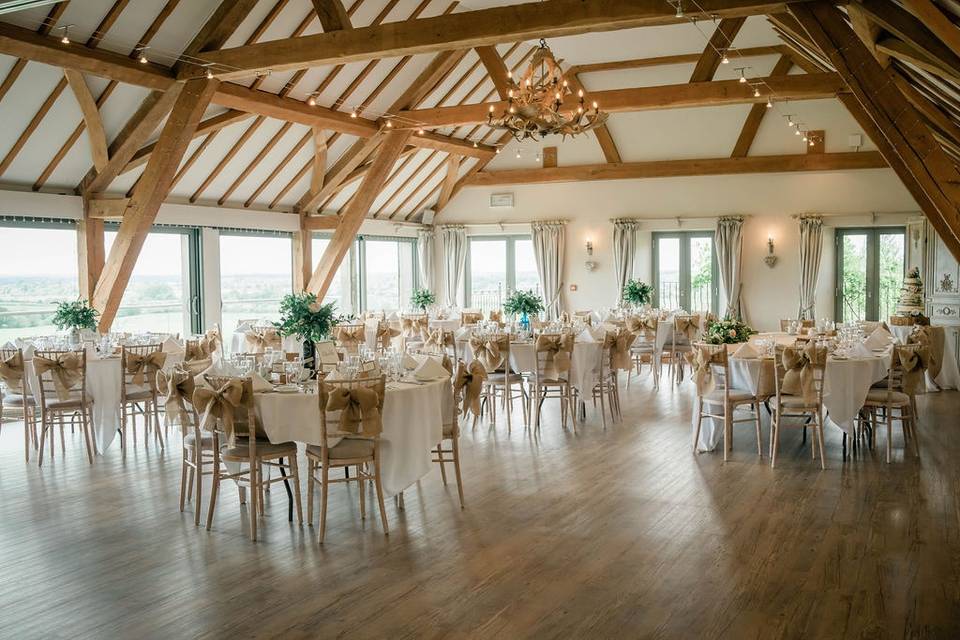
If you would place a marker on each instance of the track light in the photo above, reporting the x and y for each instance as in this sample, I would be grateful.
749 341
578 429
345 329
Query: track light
475 145
769 103
420 131
724 59
756 92
389 124
142 57
66 34
209 74
353 114
679 13
743 77
312 101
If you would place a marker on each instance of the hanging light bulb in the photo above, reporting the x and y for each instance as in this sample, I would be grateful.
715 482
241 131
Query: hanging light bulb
595 105
789 121
389 124
518 154
679 13
756 92
353 114
724 59
66 35
209 74
797 132
475 144
498 150
743 78
769 103
312 101
142 58
538 156
811 143
509 75
804 137
420 131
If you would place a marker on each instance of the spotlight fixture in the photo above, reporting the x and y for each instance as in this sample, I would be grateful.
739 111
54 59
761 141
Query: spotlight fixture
679 13
142 58
209 74
312 100
420 131
743 76
389 124
769 103
353 114
756 92
724 59
66 34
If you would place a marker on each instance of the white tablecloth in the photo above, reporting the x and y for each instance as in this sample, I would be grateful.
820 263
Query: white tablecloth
584 361
412 426
846 385
949 376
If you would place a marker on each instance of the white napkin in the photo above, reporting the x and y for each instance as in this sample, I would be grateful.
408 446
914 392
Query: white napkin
587 335
393 317
746 351
464 333
430 369
860 351
879 339
9 345
260 384
409 362
170 345
243 327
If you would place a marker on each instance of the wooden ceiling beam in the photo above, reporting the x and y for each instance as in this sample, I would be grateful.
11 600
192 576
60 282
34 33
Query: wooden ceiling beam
716 48
700 94
748 133
682 58
551 18
211 124
344 165
602 132
496 69
890 119
332 15
449 180
91 117
937 21
914 33
45 27
474 170
151 190
356 212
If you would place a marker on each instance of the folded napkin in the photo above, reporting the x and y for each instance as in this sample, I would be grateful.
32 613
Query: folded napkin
10 345
409 362
860 351
393 317
260 384
464 333
171 345
746 351
430 369
879 339
243 327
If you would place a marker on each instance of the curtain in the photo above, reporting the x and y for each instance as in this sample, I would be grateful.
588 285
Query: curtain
729 241
811 241
454 239
425 258
624 251
548 247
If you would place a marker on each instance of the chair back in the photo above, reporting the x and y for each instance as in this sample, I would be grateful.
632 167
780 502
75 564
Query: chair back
470 317
61 375
441 341
711 368
351 408
800 371
616 349
686 329
12 378
225 408
586 317
908 363
492 350
869 326
175 388
349 336
645 328
139 364
384 335
553 353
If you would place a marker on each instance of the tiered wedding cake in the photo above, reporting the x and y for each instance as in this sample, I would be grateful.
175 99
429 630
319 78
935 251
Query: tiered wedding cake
911 294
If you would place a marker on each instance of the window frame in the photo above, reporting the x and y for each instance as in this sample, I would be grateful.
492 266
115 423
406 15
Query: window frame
359 297
258 233
872 284
684 277
511 265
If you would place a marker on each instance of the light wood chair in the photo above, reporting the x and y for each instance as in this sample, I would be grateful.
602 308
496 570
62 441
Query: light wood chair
606 390
547 383
356 448
451 433
62 382
175 389
681 344
713 362
502 381
349 336
138 391
644 349
470 317
15 394
896 401
804 324
787 404
249 449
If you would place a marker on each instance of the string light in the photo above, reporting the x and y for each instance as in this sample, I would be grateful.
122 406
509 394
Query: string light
498 150
769 103
743 77
475 145
209 74
518 154
420 131
353 114
389 124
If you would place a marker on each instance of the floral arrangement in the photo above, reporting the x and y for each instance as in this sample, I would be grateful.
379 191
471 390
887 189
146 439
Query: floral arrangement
727 331
523 303
422 298
75 315
637 292
301 314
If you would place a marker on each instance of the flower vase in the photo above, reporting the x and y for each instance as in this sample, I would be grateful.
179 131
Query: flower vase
525 321
74 336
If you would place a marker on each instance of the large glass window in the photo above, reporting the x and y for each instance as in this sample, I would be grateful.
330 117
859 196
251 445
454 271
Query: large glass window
256 271
162 293
685 268
870 265
497 265
339 290
38 268
387 272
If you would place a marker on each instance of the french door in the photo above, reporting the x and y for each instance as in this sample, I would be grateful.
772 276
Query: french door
685 271
870 266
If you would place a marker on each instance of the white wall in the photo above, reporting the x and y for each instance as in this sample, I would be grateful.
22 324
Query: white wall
768 202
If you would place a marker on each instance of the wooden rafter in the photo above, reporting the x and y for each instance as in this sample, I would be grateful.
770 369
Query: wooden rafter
393 144
468 29
890 120
208 126
46 27
700 94
660 61
496 69
449 180
751 125
91 117
602 133
937 22
332 15
716 48
151 190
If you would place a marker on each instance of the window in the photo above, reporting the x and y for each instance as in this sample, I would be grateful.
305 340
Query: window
497 265
387 274
163 291
38 268
339 290
256 270
685 269
870 265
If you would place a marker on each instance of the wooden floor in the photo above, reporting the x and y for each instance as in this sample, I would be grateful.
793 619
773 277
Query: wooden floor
616 533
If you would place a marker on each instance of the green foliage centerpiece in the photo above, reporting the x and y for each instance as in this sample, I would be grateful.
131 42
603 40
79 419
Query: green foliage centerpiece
75 316
301 314
422 298
727 331
524 303
637 293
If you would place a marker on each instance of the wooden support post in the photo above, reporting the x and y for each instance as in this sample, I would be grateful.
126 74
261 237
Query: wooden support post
149 193
449 180
319 159
356 211
90 251
302 256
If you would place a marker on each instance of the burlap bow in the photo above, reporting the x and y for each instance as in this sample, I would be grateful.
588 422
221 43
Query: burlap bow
701 360
647 327
210 342
437 339
350 337
469 381
558 350
139 366
176 388
257 340
221 403
913 362
496 316
195 350
799 365
619 343
11 372
385 335
65 370
413 327
469 317
487 351
359 407
687 326
933 338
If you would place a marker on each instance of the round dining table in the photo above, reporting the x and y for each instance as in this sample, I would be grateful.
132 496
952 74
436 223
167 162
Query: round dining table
585 363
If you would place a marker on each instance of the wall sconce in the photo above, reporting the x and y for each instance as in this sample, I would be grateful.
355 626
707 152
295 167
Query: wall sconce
770 259
590 264
589 247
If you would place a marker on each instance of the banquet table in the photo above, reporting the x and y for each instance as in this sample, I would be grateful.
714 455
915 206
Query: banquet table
846 384
413 415
584 361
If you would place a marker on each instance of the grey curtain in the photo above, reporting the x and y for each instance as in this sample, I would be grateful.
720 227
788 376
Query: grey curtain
811 241
624 252
454 239
548 248
729 241
425 258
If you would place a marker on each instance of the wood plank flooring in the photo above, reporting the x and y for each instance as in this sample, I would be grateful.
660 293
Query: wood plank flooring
615 533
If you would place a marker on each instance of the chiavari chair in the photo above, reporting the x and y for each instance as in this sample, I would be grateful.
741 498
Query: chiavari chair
897 401
551 376
467 387
15 394
493 352
799 377
686 330
62 389
138 391
644 348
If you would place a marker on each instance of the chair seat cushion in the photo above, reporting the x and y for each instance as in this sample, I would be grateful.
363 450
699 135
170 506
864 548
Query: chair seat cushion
884 397
793 402
346 449
138 395
17 400
73 402
501 378
736 395
264 448
206 440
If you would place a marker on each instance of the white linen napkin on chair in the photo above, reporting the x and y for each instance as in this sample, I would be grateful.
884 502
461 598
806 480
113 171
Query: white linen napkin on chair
430 369
464 333
879 339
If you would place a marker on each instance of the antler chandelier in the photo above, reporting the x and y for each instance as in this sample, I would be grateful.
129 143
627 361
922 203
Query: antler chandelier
535 106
